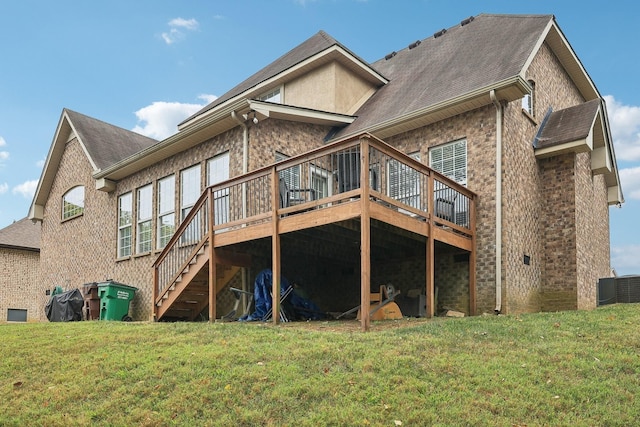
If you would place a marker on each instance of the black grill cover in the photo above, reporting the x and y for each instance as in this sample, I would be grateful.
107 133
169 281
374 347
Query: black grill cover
65 307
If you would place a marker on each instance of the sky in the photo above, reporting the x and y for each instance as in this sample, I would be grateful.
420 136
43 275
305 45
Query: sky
145 65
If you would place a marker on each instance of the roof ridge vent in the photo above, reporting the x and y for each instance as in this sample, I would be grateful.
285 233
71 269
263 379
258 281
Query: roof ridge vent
439 33
414 44
391 55
467 21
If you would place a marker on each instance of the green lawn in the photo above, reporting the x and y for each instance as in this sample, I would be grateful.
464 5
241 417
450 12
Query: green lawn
551 369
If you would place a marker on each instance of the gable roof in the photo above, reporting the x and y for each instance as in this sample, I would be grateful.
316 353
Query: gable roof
22 234
317 48
103 144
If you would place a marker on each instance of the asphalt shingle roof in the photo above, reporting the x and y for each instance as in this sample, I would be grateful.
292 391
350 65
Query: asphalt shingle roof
485 51
107 144
21 234
571 124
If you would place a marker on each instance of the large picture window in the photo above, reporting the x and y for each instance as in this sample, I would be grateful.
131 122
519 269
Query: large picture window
144 219
166 210
218 171
73 202
125 215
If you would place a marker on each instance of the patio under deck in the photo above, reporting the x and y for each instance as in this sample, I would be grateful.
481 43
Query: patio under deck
345 190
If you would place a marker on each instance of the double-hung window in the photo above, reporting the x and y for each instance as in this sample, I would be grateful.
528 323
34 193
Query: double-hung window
290 182
450 160
321 182
125 215
404 182
218 171
166 210
144 219
189 193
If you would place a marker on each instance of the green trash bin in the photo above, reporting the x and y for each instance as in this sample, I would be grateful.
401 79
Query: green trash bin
114 300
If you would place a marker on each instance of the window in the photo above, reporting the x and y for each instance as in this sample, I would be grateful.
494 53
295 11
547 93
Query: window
450 160
291 176
166 210
73 202
189 193
272 96
16 315
125 214
404 182
144 219
218 171
528 99
321 182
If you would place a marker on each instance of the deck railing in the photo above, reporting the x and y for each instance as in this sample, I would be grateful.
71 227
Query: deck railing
319 179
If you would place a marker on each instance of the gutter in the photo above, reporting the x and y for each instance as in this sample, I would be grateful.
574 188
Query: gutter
499 112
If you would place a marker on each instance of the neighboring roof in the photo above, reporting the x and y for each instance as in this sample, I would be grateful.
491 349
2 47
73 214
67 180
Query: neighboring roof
568 125
105 143
22 234
485 51
313 46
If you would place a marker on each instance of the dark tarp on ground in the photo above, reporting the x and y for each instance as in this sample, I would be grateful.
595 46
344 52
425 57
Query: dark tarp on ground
65 307
296 306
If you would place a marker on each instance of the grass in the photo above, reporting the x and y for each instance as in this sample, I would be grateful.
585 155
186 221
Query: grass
569 368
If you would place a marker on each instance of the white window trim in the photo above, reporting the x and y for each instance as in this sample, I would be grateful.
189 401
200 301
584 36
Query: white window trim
221 198
170 211
144 224
77 205
122 227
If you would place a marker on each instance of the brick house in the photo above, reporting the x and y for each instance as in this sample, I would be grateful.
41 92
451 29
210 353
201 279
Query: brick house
22 294
475 165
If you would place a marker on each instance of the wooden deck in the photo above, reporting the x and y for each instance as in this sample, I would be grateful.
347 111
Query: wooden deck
359 181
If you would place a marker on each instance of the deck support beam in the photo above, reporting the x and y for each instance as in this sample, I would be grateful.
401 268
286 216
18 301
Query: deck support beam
430 261
213 286
275 246
365 238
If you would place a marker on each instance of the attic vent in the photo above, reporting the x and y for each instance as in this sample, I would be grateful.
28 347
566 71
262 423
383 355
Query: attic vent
391 55
439 33
414 44
466 21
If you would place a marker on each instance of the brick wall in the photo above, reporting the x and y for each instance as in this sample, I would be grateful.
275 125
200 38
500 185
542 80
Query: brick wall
478 128
20 287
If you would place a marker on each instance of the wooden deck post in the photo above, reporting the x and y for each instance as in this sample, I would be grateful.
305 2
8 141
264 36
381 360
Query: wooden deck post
275 246
472 258
430 261
365 237
212 257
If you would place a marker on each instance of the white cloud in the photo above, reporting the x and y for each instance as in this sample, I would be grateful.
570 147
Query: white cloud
160 119
625 257
176 26
625 127
40 163
4 155
630 180
3 188
27 189
2 142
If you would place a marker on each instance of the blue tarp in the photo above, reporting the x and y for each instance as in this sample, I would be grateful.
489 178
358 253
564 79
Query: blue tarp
302 308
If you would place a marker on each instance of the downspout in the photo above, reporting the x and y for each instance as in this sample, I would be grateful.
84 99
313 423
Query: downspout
499 112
